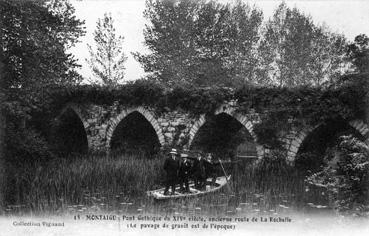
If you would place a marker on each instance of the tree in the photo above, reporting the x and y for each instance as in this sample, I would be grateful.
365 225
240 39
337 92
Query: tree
170 36
35 40
35 37
243 63
107 62
358 53
201 43
295 51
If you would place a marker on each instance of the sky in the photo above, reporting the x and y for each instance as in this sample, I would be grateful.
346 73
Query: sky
347 17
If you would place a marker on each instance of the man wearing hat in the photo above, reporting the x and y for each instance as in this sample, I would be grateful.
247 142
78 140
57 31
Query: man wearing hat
184 172
171 166
199 172
210 170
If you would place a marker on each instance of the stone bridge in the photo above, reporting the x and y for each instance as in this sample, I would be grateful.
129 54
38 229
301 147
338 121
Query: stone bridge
99 124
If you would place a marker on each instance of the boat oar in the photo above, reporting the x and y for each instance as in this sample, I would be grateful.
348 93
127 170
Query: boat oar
225 174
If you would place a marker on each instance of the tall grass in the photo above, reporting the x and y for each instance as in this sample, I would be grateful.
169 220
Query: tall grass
120 182
272 183
83 180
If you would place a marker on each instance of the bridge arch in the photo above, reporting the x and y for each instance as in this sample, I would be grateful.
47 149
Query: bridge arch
148 115
242 119
195 128
77 110
300 136
70 130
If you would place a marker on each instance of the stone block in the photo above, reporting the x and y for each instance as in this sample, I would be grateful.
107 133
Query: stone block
161 140
181 121
298 140
193 132
168 135
293 149
242 119
175 123
360 125
291 156
365 131
171 129
249 125
302 136
295 143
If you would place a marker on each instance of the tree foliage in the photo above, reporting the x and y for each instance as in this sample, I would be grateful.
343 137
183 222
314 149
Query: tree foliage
295 51
200 42
206 43
358 53
243 63
35 37
311 106
107 61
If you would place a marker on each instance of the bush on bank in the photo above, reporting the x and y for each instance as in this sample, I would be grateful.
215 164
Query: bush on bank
345 176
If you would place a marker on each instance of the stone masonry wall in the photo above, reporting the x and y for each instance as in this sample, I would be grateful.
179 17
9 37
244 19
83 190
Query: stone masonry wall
175 126
178 128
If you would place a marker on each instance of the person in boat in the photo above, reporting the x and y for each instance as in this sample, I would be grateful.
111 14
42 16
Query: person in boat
184 173
210 168
171 166
199 172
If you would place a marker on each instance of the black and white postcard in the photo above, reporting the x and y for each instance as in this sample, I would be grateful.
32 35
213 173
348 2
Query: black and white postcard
184 117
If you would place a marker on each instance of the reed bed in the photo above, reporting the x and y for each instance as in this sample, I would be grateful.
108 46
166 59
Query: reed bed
80 180
118 184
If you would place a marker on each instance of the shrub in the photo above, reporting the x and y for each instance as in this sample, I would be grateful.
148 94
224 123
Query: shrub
25 145
346 176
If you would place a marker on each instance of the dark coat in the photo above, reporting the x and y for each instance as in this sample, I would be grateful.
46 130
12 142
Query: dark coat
171 167
209 168
184 169
199 169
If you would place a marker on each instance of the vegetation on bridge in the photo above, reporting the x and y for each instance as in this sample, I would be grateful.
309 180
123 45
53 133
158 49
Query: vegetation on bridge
278 106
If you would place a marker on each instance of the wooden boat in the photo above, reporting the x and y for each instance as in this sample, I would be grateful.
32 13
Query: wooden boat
219 183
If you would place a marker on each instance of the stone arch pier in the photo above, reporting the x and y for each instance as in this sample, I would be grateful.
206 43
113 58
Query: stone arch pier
180 129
